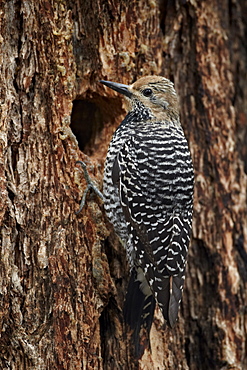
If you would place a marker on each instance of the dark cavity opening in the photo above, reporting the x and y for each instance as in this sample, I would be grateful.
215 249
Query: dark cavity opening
90 118
86 124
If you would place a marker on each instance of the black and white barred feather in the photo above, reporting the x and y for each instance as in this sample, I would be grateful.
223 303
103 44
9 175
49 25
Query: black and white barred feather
148 192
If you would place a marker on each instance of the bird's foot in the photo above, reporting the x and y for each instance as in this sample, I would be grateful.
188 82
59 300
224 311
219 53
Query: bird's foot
90 185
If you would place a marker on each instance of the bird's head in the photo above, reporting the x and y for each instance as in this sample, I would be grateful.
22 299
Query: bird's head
153 93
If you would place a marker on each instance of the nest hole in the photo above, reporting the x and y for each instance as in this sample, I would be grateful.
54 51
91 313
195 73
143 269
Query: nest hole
90 120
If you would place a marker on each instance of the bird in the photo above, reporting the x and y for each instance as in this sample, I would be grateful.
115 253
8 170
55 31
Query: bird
148 187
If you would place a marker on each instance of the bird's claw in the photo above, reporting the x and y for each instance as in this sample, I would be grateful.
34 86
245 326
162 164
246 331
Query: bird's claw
90 185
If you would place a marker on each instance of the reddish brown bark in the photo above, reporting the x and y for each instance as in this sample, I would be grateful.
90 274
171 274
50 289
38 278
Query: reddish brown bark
63 276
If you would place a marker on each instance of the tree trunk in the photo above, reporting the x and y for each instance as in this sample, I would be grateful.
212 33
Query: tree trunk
64 276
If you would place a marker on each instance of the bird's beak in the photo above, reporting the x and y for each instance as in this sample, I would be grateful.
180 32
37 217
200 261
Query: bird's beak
121 88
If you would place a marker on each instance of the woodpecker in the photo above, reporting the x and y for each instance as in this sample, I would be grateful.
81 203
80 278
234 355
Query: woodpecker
148 197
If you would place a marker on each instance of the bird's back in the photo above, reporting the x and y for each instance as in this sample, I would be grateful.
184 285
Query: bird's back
156 167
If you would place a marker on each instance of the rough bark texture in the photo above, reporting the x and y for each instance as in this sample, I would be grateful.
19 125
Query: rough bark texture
63 276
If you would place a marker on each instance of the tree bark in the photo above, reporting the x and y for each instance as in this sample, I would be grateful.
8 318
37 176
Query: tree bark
63 276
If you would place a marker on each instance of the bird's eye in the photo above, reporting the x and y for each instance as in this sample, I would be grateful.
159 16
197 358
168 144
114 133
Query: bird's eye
147 92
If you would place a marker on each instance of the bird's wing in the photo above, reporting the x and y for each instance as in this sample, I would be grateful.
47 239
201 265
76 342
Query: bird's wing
160 238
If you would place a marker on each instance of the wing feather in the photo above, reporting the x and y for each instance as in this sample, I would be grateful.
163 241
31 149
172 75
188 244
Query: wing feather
159 229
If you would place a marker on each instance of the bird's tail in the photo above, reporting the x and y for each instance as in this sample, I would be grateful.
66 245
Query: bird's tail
138 314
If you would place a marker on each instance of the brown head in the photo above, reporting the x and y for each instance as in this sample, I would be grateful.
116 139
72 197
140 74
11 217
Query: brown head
153 92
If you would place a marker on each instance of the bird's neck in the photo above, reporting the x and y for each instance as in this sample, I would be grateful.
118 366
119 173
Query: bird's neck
140 113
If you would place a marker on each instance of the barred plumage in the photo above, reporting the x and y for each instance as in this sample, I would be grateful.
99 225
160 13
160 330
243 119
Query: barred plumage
148 194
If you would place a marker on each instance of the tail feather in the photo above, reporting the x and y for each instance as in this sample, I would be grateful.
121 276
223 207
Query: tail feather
169 298
177 290
138 314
